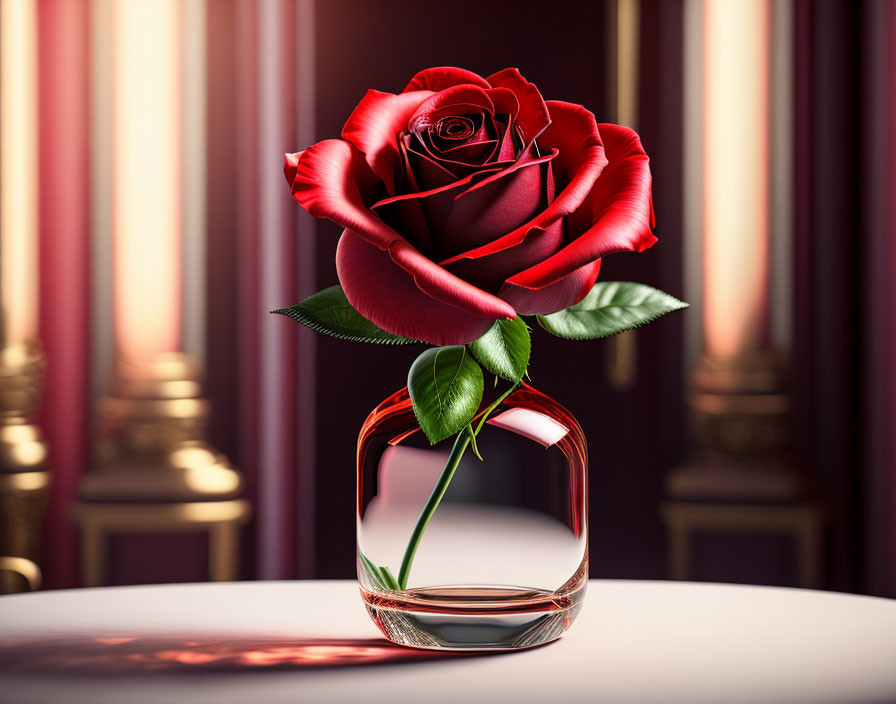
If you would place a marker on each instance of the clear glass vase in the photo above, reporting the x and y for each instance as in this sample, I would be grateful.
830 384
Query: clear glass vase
502 561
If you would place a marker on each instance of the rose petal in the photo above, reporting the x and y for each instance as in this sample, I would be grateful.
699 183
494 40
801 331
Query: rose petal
439 203
428 171
526 158
291 166
445 286
534 115
373 129
424 142
373 283
438 190
490 272
507 150
436 79
407 216
469 154
456 130
459 162
581 159
435 172
615 218
505 102
561 294
449 102
328 179
497 204
483 129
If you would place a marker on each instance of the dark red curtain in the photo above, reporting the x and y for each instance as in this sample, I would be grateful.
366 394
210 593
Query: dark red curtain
878 292
845 342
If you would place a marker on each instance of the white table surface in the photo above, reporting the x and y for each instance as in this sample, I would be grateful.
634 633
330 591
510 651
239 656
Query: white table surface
295 642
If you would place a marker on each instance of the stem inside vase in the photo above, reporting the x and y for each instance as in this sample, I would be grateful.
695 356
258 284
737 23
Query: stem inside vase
461 442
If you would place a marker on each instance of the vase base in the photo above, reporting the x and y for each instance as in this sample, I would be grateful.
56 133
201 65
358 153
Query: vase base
473 618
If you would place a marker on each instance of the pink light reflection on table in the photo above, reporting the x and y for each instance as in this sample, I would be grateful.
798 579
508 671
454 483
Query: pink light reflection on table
115 654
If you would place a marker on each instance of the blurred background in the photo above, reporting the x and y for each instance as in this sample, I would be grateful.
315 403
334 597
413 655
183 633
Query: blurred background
159 425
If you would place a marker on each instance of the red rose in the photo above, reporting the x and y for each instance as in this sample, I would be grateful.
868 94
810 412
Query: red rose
465 200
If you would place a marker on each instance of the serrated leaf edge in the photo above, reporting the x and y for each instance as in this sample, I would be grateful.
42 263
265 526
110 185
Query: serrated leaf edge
311 323
615 332
676 305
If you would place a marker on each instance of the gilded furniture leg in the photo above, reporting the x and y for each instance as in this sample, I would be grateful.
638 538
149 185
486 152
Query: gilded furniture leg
223 552
93 555
25 568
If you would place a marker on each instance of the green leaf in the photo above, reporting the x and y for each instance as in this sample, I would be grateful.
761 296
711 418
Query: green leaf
371 571
445 386
329 312
378 577
609 308
389 578
504 350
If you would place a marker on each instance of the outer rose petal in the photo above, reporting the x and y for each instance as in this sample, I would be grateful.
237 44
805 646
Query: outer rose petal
534 116
373 129
388 296
327 182
489 273
615 218
444 286
559 295
581 159
436 79
291 166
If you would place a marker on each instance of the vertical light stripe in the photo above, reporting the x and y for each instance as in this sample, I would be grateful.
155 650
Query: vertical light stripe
271 339
782 185
735 172
622 368
147 183
18 170
194 164
307 285
102 314
64 267
693 178
628 27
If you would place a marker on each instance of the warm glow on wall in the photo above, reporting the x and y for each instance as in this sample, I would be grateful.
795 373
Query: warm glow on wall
18 169
735 174
147 176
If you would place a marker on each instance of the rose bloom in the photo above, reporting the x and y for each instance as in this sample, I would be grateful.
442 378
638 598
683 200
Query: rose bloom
466 200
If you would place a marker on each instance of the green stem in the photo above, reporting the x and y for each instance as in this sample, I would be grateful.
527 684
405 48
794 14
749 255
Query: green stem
473 442
460 446
494 406
464 437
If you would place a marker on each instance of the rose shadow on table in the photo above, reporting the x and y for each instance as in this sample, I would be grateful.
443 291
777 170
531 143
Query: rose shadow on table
121 654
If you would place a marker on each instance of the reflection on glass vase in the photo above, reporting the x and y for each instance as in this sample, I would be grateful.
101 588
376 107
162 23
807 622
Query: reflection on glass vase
461 553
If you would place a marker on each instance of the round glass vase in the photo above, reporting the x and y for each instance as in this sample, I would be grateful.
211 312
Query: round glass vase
501 562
